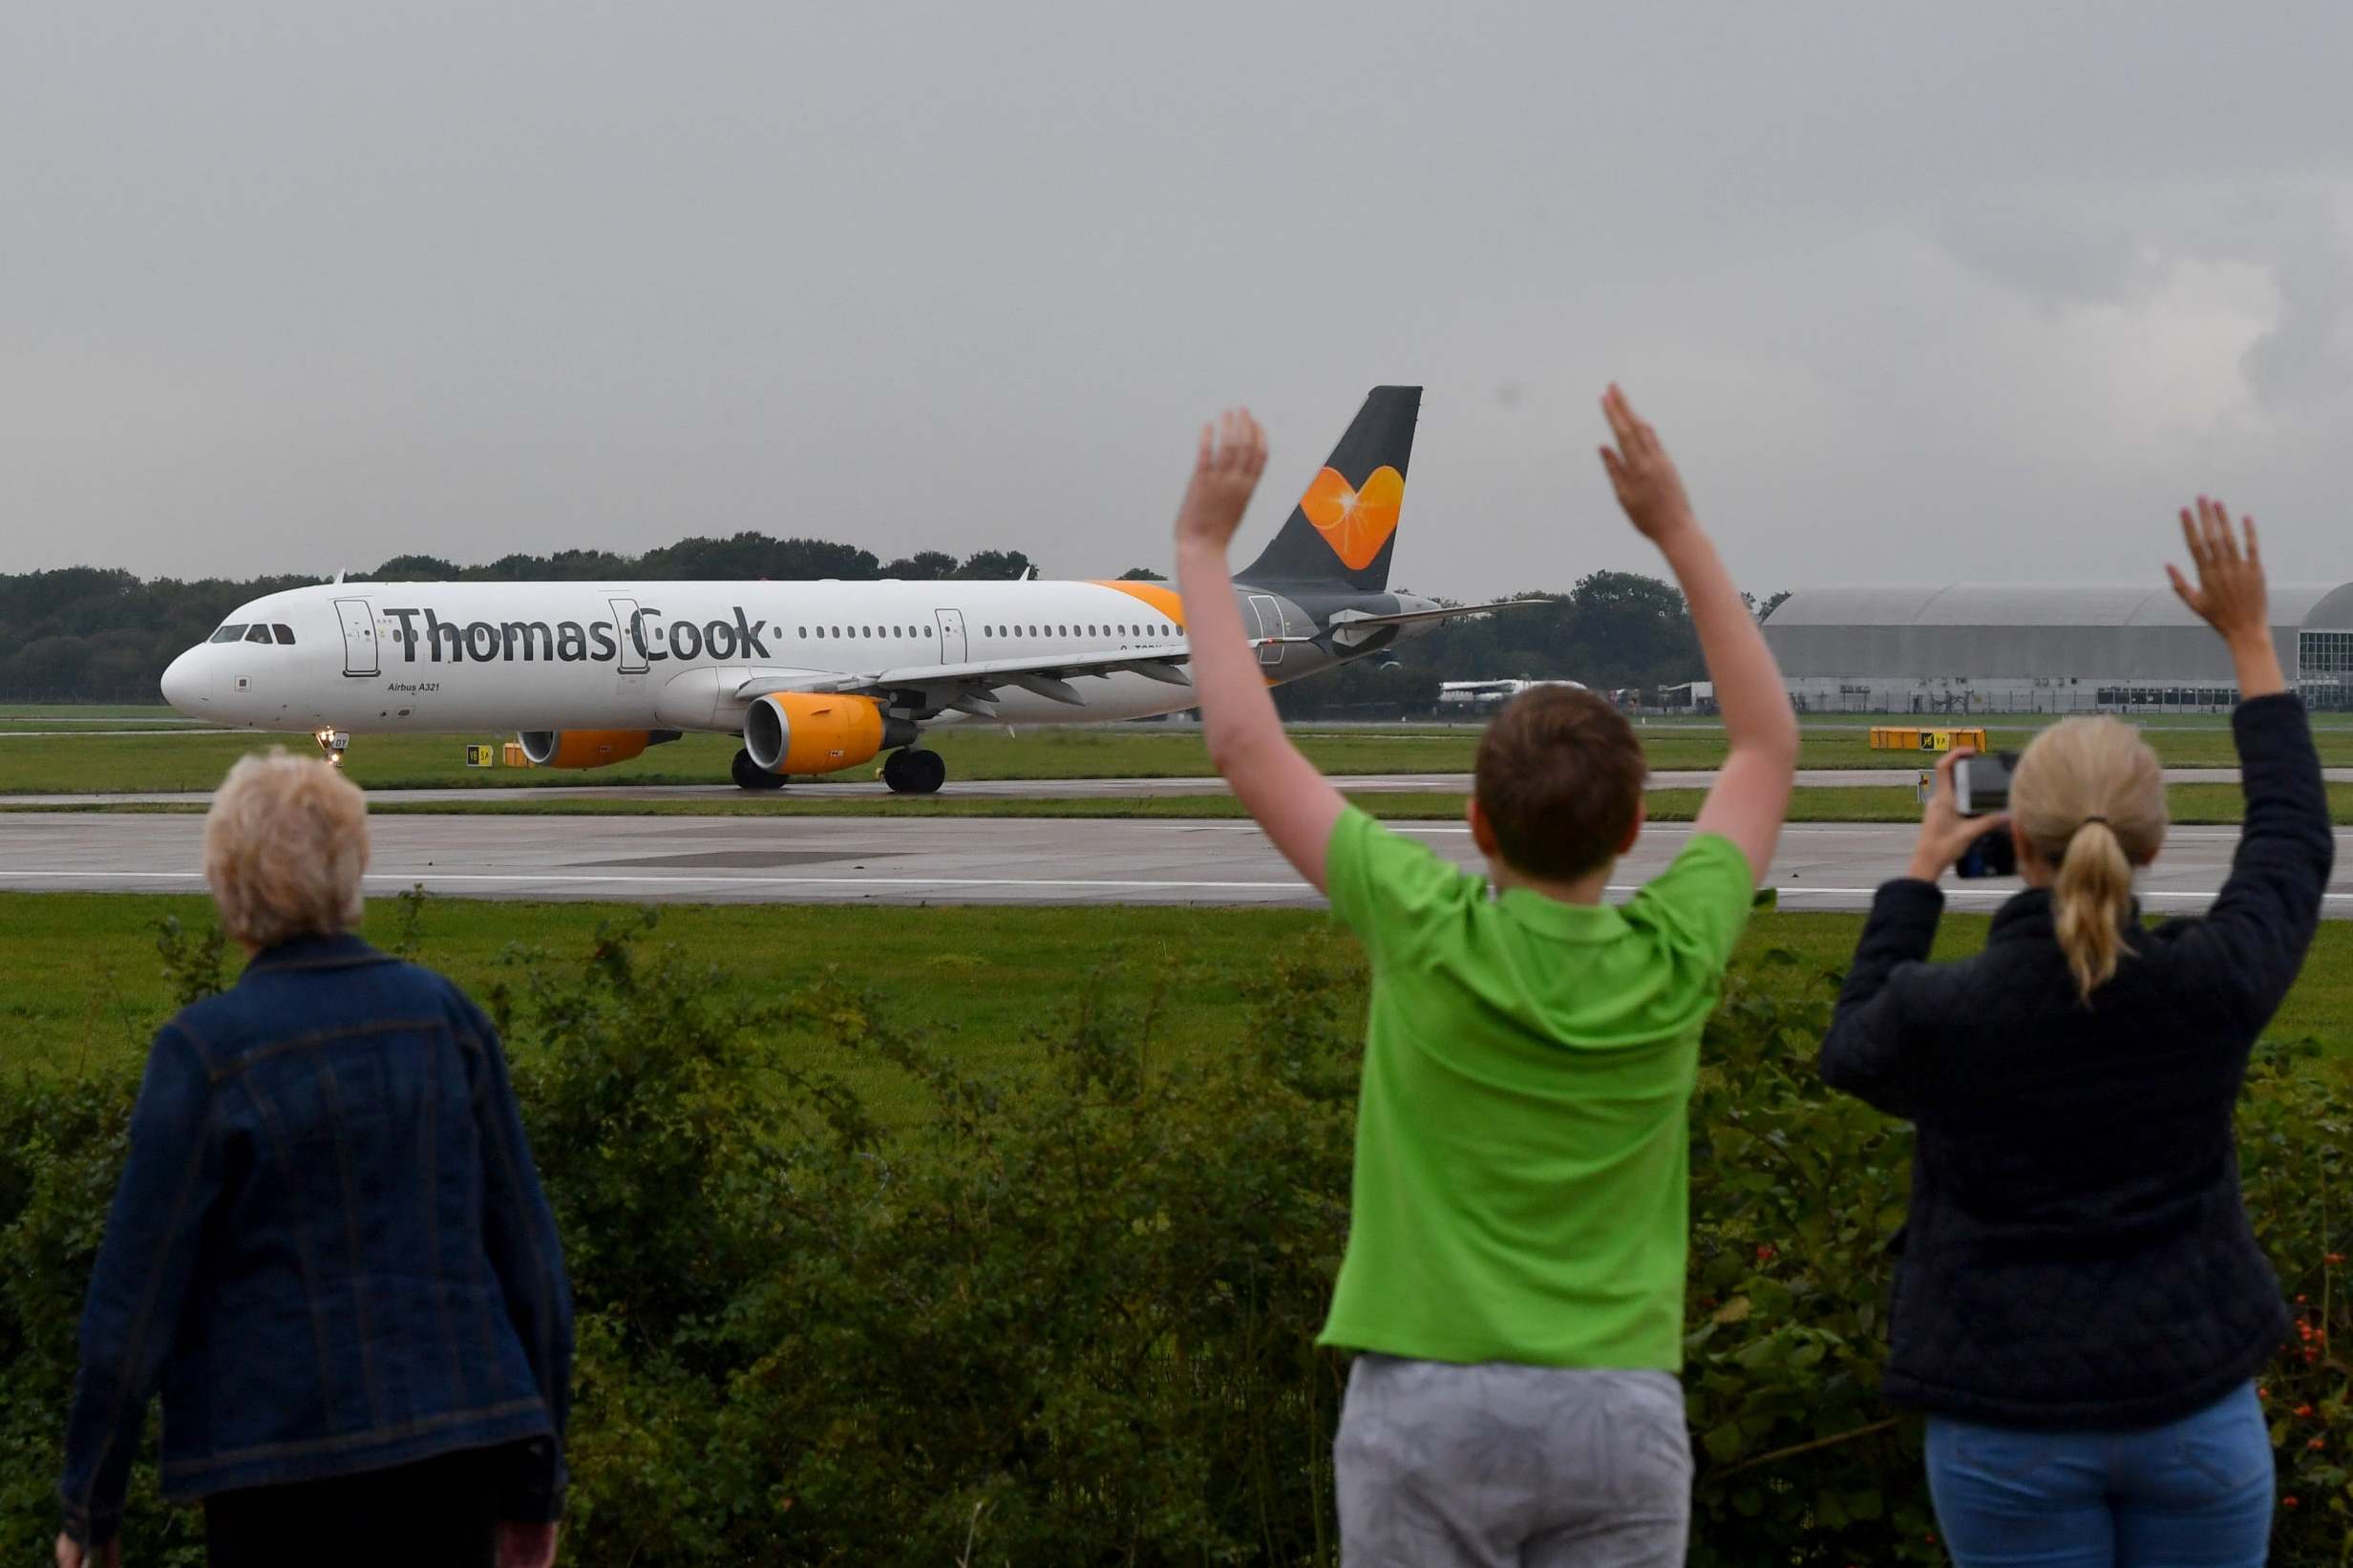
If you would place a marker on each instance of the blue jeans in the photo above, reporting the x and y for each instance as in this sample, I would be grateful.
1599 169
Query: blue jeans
2193 1493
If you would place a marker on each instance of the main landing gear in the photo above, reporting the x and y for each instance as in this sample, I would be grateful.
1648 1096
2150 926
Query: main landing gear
912 771
750 776
908 770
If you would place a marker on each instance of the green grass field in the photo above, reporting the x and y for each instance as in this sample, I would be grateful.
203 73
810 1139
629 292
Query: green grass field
2189 804
39 712
83 980
196 760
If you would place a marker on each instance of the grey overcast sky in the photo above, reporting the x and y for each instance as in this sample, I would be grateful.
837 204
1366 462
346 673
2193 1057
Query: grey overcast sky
1914 291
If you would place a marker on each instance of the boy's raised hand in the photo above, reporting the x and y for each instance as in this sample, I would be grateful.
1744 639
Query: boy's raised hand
1752 793
1233 454
1292 803
1642 473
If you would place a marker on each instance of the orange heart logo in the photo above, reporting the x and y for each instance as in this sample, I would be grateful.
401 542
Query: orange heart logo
1355 522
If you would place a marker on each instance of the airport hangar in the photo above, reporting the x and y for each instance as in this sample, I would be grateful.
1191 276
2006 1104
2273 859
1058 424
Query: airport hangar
1974 647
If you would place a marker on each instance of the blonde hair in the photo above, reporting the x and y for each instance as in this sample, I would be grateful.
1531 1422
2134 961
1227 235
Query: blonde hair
2090 796
286 845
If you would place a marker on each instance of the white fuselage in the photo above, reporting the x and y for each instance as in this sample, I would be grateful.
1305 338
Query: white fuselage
381 657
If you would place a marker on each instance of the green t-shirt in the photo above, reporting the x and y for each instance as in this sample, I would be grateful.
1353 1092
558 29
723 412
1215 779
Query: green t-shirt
1522 1140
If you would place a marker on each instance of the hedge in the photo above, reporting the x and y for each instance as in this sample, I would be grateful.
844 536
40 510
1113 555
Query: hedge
1068 1317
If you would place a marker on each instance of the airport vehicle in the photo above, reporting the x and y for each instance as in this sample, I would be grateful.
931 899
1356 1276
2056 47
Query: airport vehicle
816 677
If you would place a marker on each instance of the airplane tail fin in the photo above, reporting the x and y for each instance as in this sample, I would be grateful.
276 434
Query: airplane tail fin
1345 528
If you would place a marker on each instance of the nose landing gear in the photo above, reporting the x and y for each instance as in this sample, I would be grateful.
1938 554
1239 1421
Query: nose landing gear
333 743
912 771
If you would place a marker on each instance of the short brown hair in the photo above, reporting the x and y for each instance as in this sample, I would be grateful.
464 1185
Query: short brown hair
1560 781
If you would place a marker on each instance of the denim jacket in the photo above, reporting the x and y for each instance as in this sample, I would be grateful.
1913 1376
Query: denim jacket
329 1248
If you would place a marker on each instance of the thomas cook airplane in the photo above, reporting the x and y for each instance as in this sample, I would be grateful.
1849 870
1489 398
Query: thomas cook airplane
816 677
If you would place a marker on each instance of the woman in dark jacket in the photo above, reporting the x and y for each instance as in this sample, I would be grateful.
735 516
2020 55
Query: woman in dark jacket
2080 1305
329 1249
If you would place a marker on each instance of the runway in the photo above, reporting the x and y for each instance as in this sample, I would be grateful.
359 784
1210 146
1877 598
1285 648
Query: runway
966 861
1052 789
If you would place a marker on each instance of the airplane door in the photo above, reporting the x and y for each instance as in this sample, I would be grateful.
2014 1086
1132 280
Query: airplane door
359 636
629 632
951 636
1270 625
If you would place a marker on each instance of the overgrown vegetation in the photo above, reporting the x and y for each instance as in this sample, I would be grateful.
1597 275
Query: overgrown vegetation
1066 1315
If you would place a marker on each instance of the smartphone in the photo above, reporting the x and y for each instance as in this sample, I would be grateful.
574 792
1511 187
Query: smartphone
1980 787
1981 783
1994 855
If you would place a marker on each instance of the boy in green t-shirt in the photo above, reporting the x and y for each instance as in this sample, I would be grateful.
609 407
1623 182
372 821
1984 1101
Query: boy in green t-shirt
1514 1264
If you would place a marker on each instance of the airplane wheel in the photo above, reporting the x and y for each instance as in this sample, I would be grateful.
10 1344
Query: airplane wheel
750 776
913 772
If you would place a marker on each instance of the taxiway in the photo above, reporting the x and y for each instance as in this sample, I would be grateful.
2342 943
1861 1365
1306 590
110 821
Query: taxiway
917 860
846 788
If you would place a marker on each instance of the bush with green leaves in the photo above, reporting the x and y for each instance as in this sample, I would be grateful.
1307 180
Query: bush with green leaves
1067 1318
1796 1193
1068 1315
63 1139
2295 1161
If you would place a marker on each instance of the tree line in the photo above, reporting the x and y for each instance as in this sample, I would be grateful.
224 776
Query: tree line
1611 630
92 634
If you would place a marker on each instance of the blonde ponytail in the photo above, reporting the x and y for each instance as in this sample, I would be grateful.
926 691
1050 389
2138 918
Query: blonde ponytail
2091 894
2090 796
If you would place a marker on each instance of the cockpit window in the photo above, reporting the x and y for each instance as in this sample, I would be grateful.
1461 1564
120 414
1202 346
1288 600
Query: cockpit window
257 633
230 634
285 633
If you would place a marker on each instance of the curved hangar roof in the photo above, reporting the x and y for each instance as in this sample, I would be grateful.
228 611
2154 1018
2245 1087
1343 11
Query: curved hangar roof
1965 630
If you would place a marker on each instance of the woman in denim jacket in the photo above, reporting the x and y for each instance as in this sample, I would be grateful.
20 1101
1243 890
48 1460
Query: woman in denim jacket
329 1249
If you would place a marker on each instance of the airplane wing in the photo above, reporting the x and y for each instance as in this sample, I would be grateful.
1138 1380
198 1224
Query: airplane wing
1349 627
970 687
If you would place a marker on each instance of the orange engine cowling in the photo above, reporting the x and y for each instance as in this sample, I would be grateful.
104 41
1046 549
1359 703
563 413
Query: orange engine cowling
804 732
589 748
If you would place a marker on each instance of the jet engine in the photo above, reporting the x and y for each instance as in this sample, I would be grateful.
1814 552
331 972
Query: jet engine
804 732
589 748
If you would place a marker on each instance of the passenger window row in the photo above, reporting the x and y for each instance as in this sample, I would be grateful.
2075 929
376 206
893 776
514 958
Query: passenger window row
870 631
1122 630
1162 631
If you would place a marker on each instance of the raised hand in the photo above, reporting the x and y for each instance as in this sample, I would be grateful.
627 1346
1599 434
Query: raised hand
1642 474
1232 456
1946 835
2229 596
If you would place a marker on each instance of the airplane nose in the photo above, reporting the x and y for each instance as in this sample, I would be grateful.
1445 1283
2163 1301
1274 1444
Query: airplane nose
179 683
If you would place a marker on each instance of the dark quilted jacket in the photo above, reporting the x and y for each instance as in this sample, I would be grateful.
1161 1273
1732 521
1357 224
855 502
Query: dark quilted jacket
2077 1254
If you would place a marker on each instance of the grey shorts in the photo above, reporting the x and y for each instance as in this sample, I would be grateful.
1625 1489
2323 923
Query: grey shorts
1494 1465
